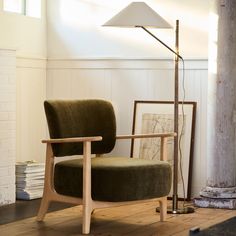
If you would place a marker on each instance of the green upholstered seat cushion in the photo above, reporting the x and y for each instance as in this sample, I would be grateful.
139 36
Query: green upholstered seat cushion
81 118
115 178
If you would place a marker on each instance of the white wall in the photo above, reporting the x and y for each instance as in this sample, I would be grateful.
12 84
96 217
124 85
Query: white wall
31 123
27 35
74 29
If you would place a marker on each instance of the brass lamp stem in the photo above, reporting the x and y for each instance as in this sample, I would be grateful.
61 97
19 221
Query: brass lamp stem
175 209
176 122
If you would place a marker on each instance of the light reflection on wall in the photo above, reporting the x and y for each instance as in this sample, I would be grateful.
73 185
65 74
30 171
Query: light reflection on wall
192 14
213 38
84 15
78 22
89 12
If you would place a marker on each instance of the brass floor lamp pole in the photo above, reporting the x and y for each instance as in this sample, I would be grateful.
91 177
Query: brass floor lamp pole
175 209
176 123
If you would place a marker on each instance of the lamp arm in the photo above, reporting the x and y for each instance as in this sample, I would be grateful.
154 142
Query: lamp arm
161 42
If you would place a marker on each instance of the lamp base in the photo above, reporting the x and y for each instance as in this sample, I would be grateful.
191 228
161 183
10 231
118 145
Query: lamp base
184 210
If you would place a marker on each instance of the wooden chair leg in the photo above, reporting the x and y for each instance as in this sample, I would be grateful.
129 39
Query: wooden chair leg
43 208
86 219
87 200
48 189
163 208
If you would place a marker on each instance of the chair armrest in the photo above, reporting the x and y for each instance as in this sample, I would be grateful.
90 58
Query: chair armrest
155 135
73 140
163 136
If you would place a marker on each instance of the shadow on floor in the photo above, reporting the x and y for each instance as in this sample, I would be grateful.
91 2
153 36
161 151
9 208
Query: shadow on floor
26 209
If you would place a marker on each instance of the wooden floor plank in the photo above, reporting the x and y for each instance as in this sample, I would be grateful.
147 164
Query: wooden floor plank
132 220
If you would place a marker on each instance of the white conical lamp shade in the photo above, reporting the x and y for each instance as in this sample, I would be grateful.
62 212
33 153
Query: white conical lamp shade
138 14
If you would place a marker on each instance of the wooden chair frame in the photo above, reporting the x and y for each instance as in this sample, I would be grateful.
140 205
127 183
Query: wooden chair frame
49 193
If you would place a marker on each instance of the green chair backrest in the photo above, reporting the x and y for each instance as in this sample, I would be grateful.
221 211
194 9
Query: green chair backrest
81 118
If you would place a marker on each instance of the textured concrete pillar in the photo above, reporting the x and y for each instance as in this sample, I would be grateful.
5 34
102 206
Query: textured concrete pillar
221 141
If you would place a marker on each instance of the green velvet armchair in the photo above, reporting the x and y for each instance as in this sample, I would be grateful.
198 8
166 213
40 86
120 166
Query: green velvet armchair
88 128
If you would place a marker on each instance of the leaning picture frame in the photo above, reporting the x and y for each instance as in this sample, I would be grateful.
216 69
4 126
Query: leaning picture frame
158 117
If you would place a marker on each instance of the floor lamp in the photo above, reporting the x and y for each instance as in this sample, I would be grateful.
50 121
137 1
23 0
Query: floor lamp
139 14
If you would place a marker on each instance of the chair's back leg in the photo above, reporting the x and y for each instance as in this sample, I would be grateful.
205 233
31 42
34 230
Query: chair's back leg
163 154
48 184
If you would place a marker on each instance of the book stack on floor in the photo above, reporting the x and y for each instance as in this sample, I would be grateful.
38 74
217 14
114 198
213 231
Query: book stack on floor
29 180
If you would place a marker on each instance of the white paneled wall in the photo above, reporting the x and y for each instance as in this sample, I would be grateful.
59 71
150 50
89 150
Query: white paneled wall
122 82
31 122
22 119
7 126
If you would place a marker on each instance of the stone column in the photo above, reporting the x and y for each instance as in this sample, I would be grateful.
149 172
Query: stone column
220 189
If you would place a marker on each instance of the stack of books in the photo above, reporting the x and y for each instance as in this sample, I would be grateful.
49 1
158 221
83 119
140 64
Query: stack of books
29 180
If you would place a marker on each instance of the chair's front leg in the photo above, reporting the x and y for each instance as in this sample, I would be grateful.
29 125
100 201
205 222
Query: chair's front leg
87 200
163 208
48 183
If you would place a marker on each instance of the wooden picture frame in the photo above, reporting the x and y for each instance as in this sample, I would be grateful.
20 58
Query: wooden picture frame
158 117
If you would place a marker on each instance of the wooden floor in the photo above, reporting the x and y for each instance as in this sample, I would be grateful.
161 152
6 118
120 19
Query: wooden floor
134 220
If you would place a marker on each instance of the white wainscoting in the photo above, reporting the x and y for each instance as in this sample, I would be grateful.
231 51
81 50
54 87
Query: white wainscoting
31 123
124 80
